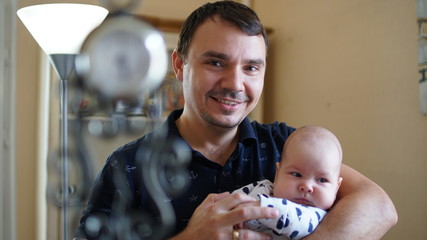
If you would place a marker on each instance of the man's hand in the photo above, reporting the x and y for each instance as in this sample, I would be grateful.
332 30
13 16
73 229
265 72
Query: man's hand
218 213
256 203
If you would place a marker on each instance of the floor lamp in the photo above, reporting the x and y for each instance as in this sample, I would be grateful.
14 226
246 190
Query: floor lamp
60 29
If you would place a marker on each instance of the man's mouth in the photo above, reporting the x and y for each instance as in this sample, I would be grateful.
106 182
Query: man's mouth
227 102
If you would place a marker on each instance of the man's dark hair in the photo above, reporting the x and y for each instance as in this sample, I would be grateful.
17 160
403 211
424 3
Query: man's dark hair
232 12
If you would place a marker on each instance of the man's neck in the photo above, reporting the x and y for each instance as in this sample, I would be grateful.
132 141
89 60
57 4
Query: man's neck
215 143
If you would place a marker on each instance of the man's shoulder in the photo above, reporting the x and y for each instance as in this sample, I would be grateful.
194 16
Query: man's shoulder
275 128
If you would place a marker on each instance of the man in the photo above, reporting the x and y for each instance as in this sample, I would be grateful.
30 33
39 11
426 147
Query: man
221 62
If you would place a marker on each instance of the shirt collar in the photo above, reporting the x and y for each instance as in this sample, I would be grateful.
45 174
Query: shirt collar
246 130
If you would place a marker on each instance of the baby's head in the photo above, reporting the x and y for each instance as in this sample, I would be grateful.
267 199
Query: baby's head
309 171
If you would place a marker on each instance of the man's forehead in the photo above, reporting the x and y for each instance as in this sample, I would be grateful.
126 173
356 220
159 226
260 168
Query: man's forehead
224 38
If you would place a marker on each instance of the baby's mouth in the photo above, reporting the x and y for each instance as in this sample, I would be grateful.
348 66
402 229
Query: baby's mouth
304 201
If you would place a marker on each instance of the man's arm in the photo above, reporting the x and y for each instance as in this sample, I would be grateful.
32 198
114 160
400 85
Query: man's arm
218 213
363 210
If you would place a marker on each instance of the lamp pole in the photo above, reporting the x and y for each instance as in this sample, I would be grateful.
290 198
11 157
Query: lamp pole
60 29
64 66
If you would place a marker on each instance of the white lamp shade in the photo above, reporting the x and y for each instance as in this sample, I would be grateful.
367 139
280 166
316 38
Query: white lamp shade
61 28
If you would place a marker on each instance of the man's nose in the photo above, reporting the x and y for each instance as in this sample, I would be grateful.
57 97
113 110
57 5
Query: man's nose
233 80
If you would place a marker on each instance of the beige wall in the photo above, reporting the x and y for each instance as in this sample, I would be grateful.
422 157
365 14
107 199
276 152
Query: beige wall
350 66
26 122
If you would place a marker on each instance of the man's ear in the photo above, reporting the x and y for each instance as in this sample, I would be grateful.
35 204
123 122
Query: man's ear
178 65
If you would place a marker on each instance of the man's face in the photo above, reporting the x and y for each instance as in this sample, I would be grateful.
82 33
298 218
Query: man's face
223 74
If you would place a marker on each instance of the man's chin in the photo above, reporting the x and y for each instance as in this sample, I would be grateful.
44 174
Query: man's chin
225 123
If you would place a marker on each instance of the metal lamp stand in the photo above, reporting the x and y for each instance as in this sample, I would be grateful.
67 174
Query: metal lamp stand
64 66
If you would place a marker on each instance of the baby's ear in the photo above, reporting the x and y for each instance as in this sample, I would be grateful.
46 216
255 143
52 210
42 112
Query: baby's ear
339 182
277 171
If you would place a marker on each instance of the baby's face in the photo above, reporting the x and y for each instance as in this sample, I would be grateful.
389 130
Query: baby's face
309 174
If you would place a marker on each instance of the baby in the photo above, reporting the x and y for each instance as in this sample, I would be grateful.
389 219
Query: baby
305 185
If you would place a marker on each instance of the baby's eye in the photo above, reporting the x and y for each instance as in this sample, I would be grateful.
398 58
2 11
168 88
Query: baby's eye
322 180
296 174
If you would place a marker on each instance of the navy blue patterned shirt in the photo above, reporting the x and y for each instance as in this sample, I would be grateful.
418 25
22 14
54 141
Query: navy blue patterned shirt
258 149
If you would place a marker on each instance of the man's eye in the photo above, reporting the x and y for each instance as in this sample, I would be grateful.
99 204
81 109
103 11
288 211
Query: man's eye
214 63
252 68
